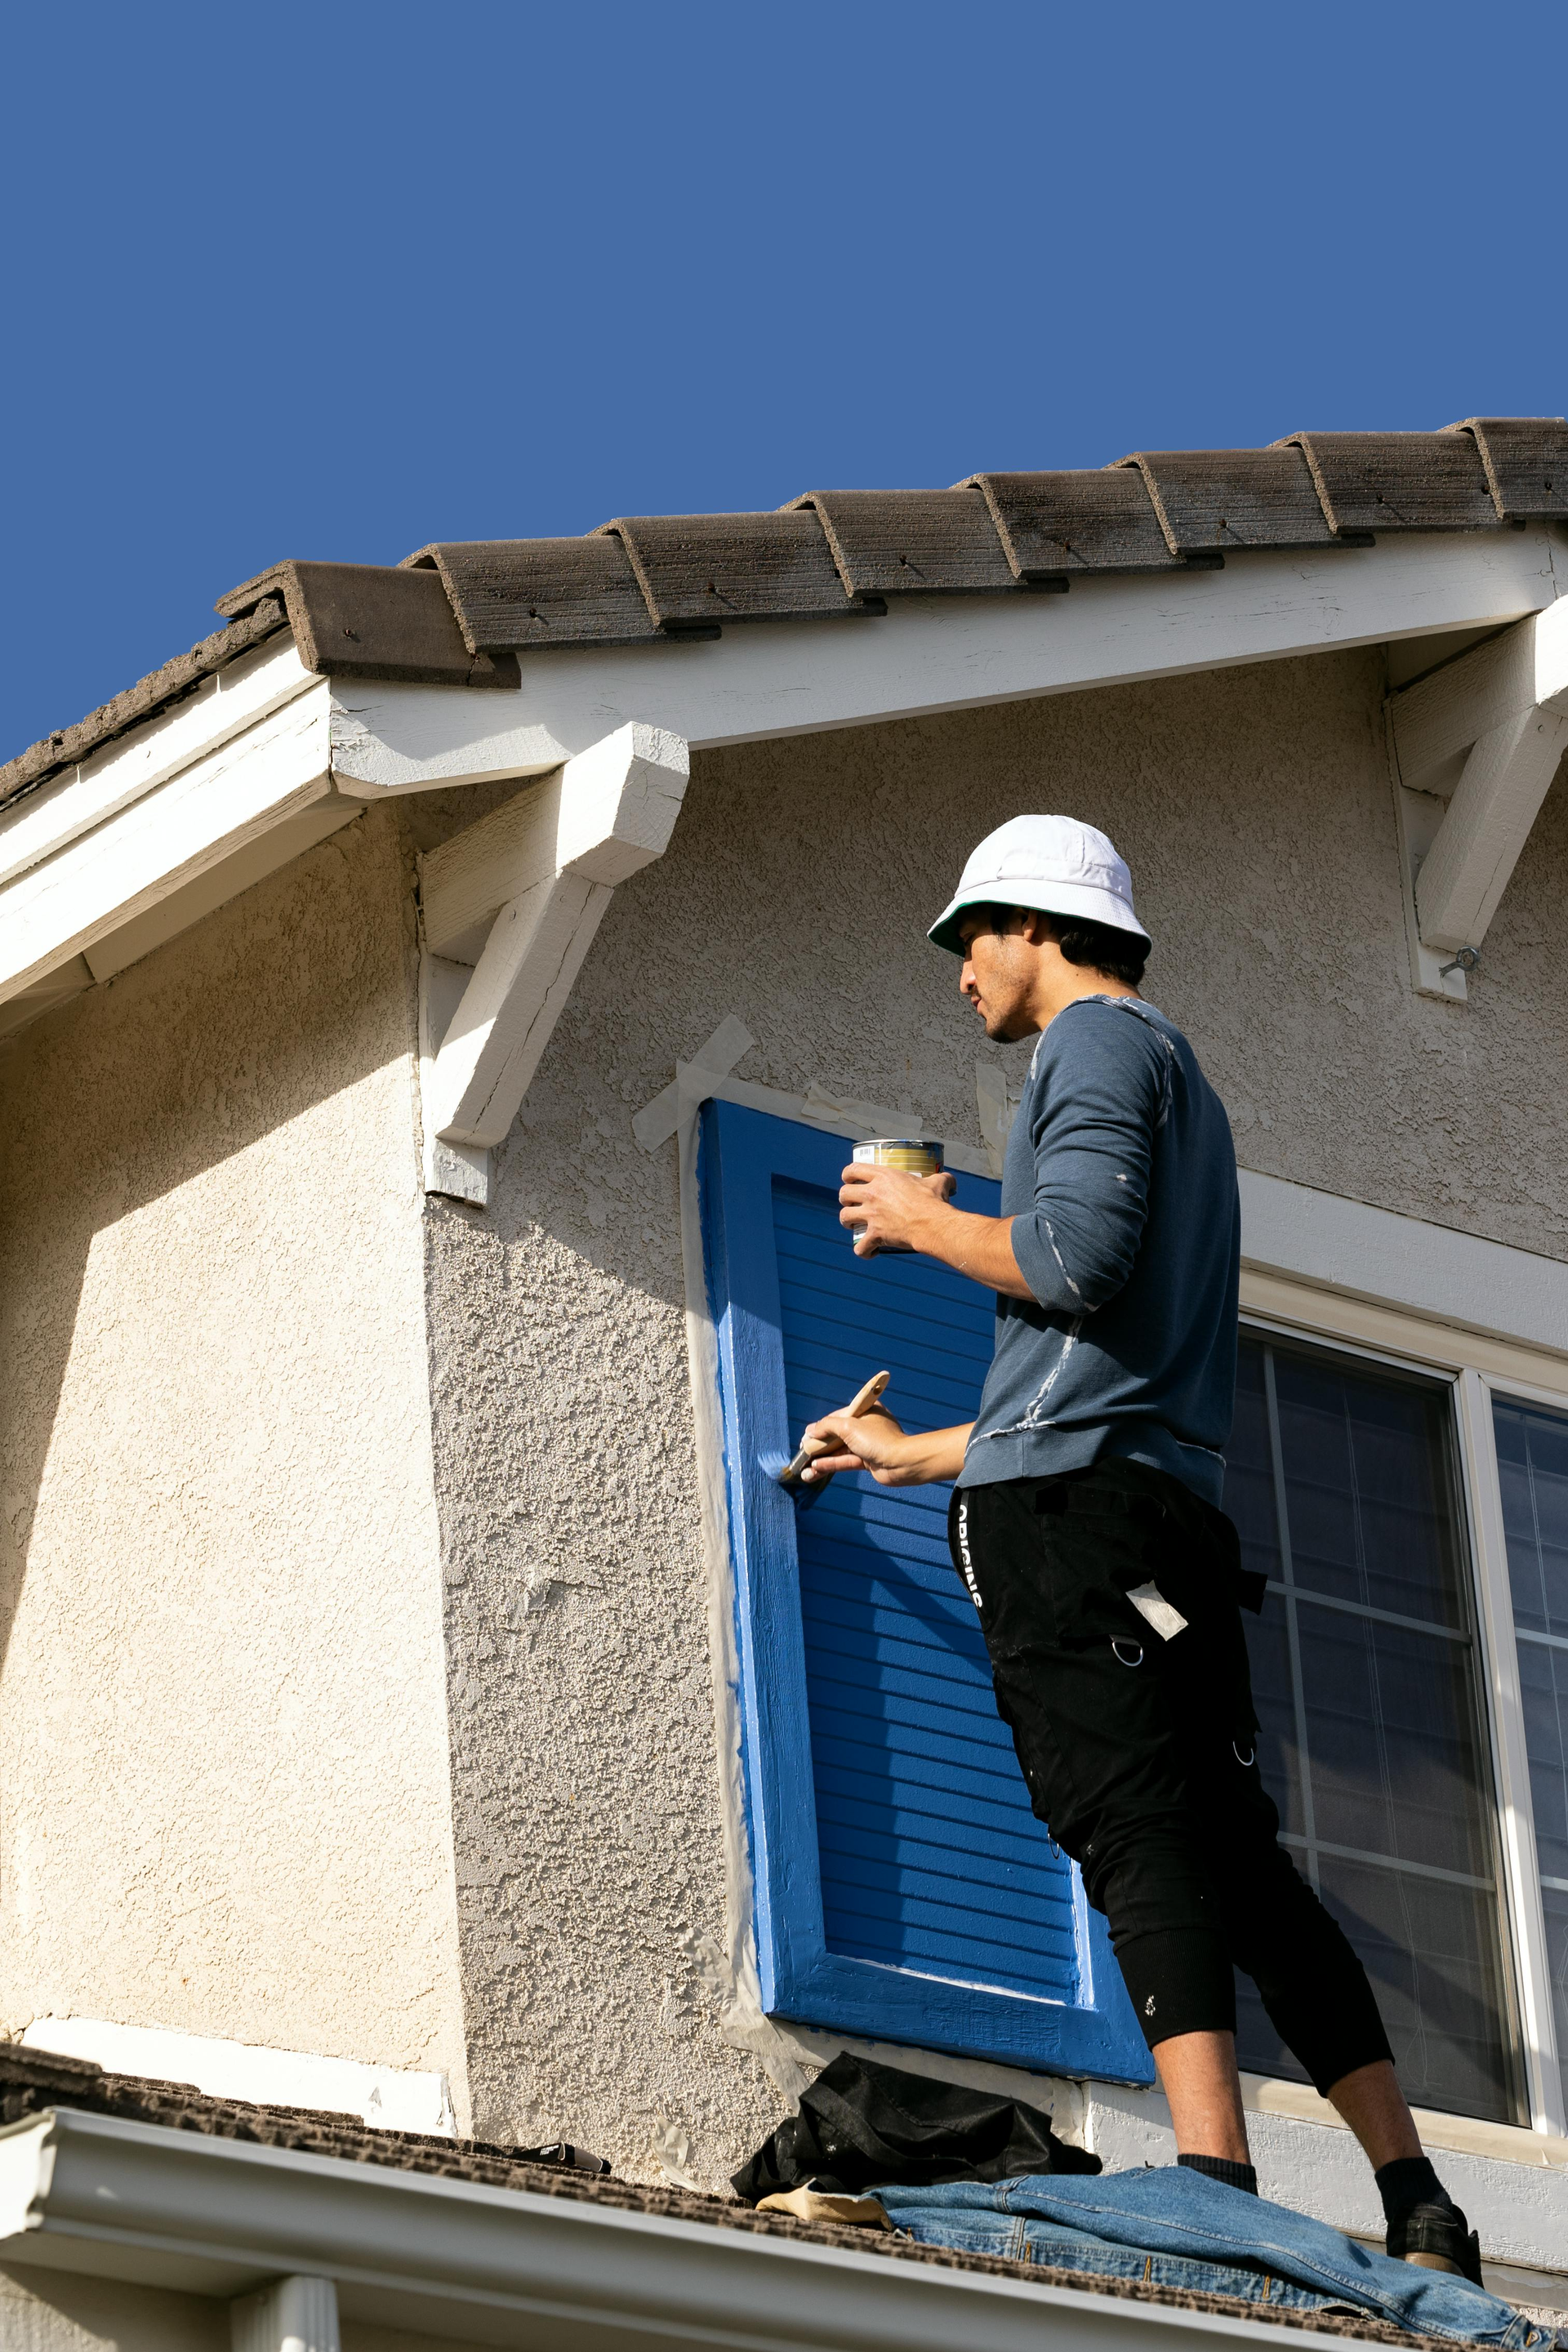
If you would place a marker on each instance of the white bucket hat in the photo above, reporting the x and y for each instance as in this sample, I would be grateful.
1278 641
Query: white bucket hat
1049 862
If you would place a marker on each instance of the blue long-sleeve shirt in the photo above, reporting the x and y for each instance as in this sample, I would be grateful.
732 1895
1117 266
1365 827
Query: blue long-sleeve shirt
1121 1180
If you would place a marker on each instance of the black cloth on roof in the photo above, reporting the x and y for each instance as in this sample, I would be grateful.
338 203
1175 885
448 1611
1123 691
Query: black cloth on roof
861 2123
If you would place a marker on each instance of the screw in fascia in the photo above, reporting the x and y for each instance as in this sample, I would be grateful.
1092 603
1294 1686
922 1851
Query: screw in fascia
1465 960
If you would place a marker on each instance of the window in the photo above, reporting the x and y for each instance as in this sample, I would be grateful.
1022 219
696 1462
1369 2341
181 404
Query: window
1342 1480
904 1888
1410 1666
1532 1473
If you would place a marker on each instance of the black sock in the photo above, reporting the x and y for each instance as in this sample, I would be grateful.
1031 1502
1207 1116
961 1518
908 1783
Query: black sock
1220 2168
1408 2182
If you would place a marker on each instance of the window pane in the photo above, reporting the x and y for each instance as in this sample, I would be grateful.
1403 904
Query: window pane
1533 1464
1366 1484
1555 1902
1391 1729
1433 1955
1543 1682
1533 1469
1341 1482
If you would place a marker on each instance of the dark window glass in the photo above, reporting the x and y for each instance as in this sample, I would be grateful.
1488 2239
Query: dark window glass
1340 1479
1532 1466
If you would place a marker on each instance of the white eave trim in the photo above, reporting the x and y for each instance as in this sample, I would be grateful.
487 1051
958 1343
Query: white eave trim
216 2217
1432 1272
935 654
177 810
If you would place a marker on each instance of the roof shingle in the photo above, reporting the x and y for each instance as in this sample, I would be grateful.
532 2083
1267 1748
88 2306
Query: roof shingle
460 613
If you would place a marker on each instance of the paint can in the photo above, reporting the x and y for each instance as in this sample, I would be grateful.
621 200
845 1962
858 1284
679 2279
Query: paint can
914 1155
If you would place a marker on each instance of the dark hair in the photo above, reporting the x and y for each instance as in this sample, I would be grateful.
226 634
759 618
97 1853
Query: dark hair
1097 947
1119 955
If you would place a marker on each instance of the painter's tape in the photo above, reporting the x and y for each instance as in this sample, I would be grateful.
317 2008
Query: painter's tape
998 1106
694 1081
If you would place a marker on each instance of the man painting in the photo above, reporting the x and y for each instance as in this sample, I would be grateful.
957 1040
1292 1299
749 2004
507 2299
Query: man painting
1086 1520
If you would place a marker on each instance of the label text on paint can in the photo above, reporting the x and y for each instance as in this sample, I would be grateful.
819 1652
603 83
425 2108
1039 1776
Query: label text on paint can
912 1155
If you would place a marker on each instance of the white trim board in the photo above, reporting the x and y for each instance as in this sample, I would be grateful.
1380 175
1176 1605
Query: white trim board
391 2099
1426 1270
933 654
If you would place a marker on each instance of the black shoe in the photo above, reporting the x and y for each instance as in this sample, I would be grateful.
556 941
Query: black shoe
1436 2237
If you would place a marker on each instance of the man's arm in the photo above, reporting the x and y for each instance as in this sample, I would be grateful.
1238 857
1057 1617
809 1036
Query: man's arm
916 1211
895 1457
1093 1148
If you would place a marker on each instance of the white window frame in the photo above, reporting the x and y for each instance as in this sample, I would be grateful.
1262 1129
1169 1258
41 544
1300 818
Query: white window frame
1476 1366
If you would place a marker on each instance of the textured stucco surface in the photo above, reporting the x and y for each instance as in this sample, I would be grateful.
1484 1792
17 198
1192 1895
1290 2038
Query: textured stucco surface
1256 810
49 2311
250 1364
223 1745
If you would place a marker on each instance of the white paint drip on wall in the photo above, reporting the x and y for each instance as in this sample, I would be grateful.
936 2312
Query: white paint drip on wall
387 2096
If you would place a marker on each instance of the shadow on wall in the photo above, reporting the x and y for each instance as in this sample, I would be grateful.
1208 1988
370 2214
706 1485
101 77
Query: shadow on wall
146 1089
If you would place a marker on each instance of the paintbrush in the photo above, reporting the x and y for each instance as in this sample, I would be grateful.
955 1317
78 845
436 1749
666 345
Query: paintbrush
793 1473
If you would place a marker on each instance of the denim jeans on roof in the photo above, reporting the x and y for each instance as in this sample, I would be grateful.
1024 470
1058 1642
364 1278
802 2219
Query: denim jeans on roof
1173 2227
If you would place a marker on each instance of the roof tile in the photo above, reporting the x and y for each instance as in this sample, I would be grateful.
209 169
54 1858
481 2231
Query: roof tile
698 571
1210 501
1057 524
541 592
1397 481
895 542
1526 462
373 620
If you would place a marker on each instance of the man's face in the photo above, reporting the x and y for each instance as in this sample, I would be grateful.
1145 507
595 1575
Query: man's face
998 971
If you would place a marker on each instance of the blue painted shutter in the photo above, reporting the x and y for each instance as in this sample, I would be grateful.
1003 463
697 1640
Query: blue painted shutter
930 1855
904 1888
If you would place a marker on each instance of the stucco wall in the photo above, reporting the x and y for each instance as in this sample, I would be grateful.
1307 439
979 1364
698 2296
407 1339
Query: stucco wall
1255 808
52 2310
223 1745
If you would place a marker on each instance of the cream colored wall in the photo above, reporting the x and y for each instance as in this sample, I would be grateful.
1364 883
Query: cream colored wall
230 1323
51 2311
223 1747
1255 808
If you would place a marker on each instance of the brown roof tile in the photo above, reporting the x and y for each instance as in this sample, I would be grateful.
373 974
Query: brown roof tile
541 592
1526 462
898 543
1214 500
1397 481
371 619
1053 525
698 571
460 613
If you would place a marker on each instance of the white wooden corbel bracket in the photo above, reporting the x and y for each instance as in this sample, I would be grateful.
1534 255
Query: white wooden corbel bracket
509 908
1475 746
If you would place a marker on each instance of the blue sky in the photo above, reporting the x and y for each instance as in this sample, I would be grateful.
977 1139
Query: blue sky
334 281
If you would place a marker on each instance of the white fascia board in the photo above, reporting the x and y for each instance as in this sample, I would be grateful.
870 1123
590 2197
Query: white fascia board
1428 1270
165 838
72 803
933 654
493 2265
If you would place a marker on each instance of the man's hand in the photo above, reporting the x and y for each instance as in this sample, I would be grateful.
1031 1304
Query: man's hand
918 1211
874 1441
890 1203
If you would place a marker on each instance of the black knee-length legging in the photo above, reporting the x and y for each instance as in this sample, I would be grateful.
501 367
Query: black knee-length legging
1139 1753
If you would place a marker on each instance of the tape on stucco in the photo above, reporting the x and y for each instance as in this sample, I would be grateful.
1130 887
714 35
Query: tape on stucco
732 1974
693 1082
998 1104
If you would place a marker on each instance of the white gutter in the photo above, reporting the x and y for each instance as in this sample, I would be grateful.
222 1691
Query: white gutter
222 2218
